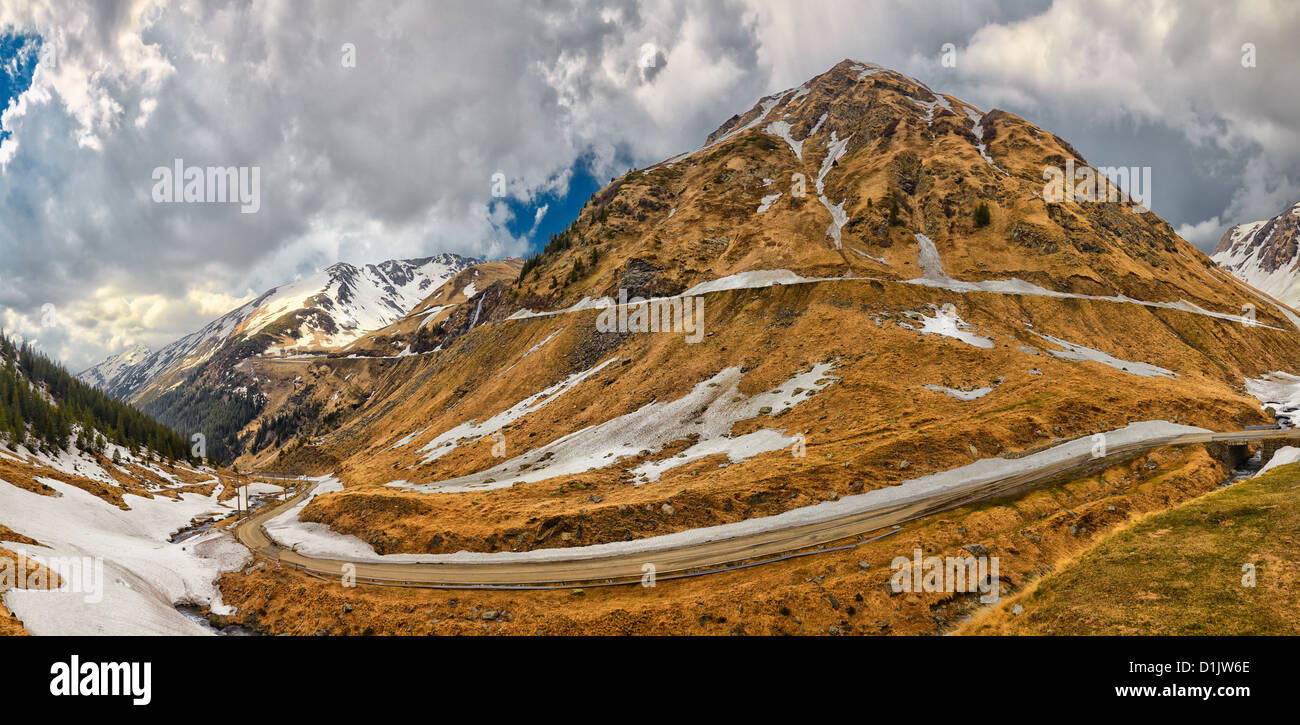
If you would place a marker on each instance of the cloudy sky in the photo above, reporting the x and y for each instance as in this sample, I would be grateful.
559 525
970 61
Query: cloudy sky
378 126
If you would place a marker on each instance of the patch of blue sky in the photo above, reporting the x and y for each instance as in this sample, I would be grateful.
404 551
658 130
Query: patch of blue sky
560 210
19 54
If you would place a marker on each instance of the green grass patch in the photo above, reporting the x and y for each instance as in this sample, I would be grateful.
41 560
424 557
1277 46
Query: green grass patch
1184 571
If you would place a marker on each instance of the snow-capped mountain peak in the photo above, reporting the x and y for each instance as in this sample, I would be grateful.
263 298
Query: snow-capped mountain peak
347 301
1264 254
113 366
325 310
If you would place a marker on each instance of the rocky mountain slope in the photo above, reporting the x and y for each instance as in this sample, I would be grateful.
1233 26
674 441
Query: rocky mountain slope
1263 254
427 321
884 293
326 310
195 384
836 177
106 373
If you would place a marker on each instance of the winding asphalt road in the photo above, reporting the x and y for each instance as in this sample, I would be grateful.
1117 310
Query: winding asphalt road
581 568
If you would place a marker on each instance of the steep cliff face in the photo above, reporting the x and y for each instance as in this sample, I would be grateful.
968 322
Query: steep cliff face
1263 254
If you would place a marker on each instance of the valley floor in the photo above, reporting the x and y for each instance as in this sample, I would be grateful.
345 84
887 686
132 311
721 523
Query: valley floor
129 539
840 592
1149 546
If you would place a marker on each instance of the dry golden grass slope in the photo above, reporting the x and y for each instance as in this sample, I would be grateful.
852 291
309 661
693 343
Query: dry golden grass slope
596 405
695 216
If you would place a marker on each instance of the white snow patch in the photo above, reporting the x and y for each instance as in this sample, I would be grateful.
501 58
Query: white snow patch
838 219
962 395
471 430
145 576
406 440
586 303
947 323
532 350
765 107
817 127
782 129
709 411
1079 353
1281 457
929 106
978 130
431 313
867 70
835 148
861 253
538 346
933 275
747 280
1279 391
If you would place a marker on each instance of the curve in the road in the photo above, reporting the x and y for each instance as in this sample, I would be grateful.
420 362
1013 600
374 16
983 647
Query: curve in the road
588 569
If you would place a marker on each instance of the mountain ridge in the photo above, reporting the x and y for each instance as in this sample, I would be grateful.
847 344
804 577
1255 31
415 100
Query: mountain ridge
330 308
1265 254
833 178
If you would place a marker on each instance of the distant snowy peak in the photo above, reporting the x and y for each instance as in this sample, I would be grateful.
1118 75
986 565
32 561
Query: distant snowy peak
1264 254
327 309
108 370
340 303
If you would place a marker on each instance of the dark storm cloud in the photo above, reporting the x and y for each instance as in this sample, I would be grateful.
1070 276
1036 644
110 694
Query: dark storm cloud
394 157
